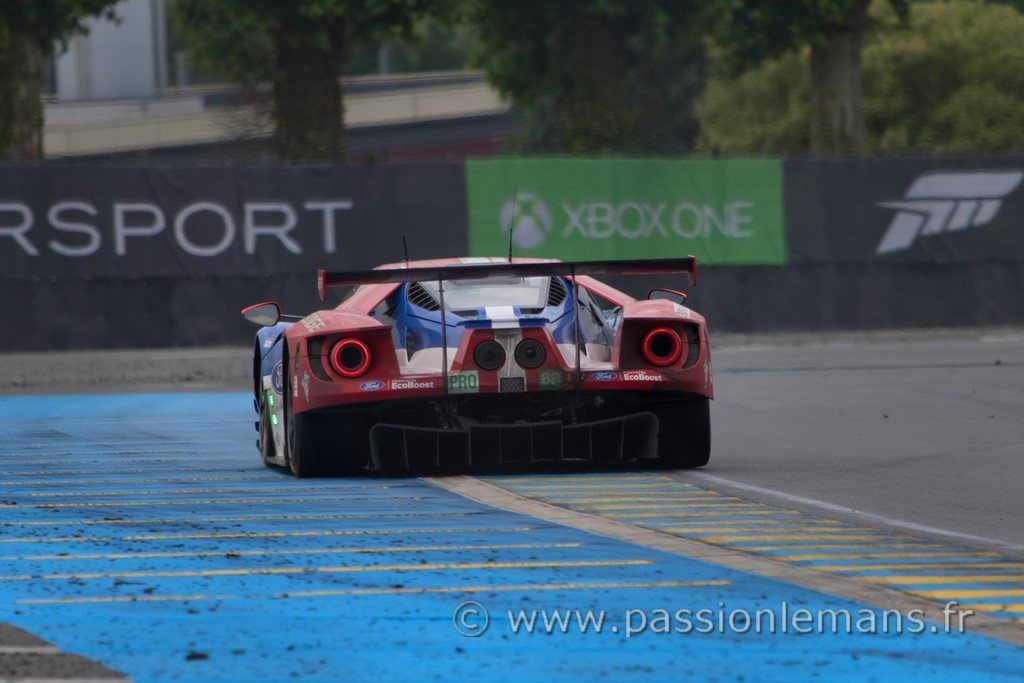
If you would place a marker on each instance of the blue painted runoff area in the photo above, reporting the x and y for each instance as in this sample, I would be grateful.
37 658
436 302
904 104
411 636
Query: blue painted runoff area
142 531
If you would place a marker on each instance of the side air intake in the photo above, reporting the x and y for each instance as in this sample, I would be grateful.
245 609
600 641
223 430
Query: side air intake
556 292
419 296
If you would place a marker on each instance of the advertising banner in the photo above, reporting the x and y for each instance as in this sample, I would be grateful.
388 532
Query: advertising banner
721 211
890 211
87 221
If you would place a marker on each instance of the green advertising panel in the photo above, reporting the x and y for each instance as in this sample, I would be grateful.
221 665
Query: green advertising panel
721 211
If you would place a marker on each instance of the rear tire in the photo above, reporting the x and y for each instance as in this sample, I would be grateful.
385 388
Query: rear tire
684 433
325 444
308 456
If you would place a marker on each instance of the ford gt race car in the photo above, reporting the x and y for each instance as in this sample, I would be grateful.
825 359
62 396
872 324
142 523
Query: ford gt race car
484 364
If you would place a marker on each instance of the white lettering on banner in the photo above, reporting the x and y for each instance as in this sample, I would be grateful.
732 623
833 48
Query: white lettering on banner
91 246
328 210
633 220
18 231
181 220
143 219
121 230
279 230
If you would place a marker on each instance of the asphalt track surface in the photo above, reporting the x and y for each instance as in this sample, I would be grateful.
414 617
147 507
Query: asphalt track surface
926 430
139 530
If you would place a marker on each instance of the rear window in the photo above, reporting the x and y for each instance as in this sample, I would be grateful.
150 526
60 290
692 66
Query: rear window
464 295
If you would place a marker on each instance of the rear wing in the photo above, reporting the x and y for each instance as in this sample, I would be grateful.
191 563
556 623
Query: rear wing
470 271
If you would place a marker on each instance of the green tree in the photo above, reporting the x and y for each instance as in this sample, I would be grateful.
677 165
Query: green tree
589 76
755 30
29 30
952 79
300 47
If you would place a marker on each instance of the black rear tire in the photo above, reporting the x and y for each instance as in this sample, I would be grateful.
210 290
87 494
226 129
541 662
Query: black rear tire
308 454
684 433
325 444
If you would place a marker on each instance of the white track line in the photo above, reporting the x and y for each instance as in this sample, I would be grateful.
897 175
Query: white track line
832 507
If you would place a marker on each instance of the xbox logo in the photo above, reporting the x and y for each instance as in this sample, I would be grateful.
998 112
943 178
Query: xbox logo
529 219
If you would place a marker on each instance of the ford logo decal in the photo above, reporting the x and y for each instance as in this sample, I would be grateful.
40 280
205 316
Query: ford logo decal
375 385
603 376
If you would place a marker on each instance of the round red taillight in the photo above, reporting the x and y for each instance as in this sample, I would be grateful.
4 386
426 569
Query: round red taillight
350 358
661 346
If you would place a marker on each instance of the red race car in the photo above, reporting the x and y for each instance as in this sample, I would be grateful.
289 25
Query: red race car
536 362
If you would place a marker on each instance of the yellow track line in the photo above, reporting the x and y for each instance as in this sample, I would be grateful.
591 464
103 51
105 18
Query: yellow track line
166 480
784 528
789 537
808 557
261 534
250 518
925 566
953 578
341 569
566 480
225 501
753 522
512 587
631 498
690 513
990 607
526 587
967 593
838 546
340 493
624 490
291 551
702 505
597 488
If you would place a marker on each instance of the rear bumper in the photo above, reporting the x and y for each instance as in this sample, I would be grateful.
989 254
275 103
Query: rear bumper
631 438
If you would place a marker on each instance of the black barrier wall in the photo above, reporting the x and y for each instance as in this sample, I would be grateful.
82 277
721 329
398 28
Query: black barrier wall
98 257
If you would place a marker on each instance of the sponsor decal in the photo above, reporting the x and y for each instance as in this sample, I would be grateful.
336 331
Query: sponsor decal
642 376
946 202
314 322
268 343
464 382
295 387
604 376
722 211
271 401
412 384
277 378
511 384
134 222
372 385
551 379
305 385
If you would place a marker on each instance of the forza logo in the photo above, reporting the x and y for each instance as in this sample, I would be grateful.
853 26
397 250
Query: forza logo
946 202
